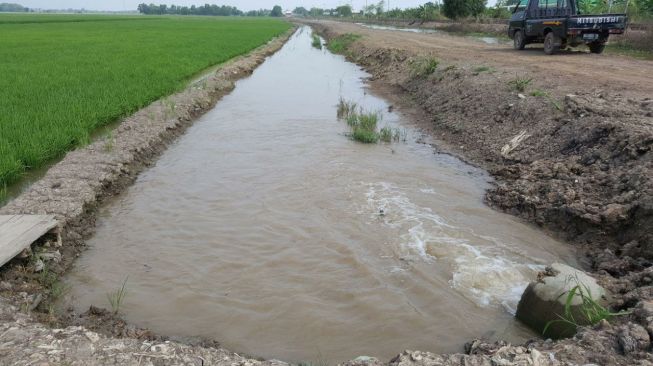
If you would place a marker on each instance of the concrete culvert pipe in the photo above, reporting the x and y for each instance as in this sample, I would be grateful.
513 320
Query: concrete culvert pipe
543 303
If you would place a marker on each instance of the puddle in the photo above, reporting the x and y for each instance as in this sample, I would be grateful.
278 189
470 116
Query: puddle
266 228
484 39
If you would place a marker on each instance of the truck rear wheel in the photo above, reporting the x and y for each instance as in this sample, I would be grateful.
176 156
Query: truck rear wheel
596 47
551 43
519 41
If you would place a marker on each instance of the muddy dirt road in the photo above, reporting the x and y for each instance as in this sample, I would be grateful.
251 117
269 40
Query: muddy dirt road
568 71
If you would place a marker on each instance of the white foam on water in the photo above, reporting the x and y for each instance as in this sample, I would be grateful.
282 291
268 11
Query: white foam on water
490 275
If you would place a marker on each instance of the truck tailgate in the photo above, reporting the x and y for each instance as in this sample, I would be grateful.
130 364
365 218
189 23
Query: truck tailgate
598 22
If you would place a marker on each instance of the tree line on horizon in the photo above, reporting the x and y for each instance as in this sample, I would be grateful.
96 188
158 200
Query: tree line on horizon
13 8
429 11
206 9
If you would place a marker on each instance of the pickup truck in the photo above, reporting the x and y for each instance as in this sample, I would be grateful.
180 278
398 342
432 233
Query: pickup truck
558 24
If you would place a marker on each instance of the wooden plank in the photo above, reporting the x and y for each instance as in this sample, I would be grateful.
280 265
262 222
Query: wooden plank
18 232
4 218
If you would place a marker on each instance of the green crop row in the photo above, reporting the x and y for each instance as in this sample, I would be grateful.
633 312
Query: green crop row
63 79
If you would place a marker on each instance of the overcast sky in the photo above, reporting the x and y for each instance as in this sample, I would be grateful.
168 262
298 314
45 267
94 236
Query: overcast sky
242 4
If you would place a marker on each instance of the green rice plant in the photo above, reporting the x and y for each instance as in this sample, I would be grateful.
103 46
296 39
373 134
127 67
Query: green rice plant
3 193
424 66
386 134
317 42
346 109
110 141
520 83
121 64
341 43
117 297
591 312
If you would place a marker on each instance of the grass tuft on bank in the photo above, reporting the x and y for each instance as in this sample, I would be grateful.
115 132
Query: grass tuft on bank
341 43
64 76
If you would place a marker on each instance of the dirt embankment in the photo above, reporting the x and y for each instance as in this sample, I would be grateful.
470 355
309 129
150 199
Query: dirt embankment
569 138
72 190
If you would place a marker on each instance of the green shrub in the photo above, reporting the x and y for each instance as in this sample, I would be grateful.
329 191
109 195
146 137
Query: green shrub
341 43
423 67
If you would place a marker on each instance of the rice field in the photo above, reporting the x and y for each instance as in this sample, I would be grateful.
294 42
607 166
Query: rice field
65 75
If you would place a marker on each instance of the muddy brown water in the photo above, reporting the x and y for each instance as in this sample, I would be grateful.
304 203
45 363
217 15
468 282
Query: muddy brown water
266 228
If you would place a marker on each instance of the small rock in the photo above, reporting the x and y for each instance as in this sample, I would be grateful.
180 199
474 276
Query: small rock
415 356
92 336
39 266
521 96
51 256
160 348
633 338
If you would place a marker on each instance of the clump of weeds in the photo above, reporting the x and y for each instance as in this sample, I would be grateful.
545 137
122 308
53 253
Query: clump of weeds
341 43
590 311
110 142
317 42
389 134
481 69
364 130
83 139
363 124
520 83
423 66
117 297
346 109
543 94
170 107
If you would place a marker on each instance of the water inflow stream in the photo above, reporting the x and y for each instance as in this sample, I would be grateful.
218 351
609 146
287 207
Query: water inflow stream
266 228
